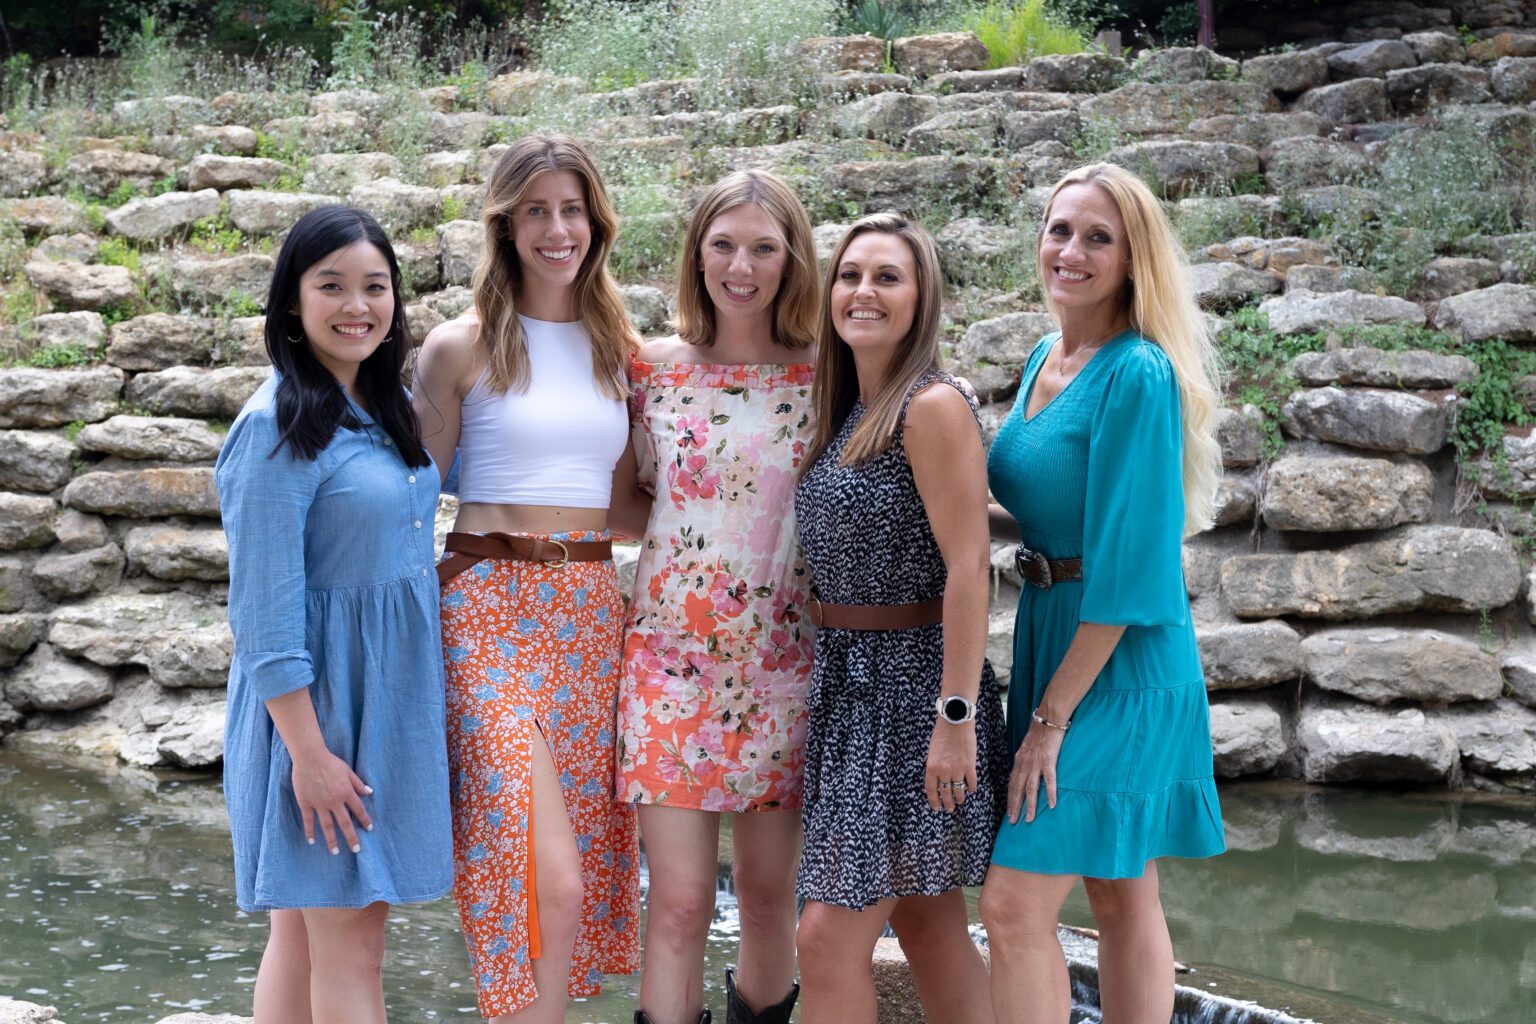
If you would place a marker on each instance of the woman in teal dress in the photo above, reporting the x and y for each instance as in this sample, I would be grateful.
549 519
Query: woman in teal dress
1105 462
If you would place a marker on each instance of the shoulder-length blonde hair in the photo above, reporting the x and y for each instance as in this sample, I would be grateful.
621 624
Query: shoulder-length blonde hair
795 305
837 383
1162 308
499 275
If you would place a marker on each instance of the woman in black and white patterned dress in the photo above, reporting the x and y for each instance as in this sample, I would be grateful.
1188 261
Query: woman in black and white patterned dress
906 764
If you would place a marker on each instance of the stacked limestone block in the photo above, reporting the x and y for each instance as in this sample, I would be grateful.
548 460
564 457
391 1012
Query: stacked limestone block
1355 624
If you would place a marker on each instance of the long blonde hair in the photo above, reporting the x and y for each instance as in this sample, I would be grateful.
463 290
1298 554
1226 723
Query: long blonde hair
499 275
837 381
796 304
1162 308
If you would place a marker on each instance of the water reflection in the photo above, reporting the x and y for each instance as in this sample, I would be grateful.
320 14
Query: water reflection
116 905
1420 907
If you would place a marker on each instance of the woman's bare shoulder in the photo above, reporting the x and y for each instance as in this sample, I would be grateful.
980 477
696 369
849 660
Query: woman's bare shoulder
670 349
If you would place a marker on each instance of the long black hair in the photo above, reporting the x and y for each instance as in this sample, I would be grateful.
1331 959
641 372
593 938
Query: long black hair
310 405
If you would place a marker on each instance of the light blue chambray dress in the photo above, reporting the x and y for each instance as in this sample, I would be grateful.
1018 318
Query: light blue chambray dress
332 587
1097 474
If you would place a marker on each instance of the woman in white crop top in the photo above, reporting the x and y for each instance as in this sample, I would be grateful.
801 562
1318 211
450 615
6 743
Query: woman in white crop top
529 386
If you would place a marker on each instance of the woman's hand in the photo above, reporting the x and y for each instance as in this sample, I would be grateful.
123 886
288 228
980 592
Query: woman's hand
1033 764
328 790
951 759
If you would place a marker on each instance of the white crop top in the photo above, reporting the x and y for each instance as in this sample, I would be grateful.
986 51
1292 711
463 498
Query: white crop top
553 444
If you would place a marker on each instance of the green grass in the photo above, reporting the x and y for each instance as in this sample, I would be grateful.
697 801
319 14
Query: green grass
1014 33
217 236
119 252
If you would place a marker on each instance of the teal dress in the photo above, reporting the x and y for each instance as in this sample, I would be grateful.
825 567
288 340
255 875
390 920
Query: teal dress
1097 473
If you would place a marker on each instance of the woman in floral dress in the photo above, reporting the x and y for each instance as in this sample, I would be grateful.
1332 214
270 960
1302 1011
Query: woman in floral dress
718 655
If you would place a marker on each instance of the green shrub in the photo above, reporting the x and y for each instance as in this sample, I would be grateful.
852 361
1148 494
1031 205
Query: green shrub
743 52
217 235
1014 33
118 252
609 43
54 357
881 20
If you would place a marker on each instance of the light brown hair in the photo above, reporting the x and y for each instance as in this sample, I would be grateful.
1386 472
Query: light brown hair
837 381
499 275
796 305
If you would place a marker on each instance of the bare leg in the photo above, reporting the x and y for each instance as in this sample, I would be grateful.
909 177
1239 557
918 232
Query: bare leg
1029 971
767 852
346 957
558 885
282 981
836 946
1135 953
947 968
682 849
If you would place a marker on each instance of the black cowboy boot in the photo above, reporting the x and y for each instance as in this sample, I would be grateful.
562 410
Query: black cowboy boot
738 1012
641 1017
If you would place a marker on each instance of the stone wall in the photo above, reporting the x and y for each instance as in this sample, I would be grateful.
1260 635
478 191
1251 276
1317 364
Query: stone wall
1358 619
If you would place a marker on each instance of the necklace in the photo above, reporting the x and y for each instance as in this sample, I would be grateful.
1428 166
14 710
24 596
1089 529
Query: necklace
1083 354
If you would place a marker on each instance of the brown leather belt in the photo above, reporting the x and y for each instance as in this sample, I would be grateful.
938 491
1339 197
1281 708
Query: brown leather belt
463 550
876 616
1042 572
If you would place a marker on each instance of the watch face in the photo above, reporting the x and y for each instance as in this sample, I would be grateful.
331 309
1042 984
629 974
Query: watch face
955 709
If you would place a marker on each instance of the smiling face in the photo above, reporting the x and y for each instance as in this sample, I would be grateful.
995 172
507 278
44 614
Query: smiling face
1085 258
742 258
346 304
551 233
874 295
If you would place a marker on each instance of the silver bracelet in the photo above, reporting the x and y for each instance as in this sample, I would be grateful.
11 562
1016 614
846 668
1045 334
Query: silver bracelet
1035 714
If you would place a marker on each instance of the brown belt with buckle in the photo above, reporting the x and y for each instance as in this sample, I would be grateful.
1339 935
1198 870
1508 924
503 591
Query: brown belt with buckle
876 616
463 550
1042 572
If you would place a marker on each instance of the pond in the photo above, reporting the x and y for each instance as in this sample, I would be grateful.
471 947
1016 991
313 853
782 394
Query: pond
1345 905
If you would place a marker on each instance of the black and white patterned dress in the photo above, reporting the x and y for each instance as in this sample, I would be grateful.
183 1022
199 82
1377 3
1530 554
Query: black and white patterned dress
869 832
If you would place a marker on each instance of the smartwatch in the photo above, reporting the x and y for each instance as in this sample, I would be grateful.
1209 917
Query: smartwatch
955 709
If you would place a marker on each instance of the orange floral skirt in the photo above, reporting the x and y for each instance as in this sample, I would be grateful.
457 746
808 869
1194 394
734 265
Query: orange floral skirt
532 653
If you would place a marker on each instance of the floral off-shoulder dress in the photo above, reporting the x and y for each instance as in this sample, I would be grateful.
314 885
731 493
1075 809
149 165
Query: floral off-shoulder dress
717 658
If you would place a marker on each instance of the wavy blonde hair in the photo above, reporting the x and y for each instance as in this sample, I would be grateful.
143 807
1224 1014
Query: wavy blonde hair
837 381
499 275
1162 308
796 305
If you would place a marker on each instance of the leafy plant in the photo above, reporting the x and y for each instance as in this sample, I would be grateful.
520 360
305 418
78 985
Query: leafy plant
217 235
872 17
118 252
1013 33
52 357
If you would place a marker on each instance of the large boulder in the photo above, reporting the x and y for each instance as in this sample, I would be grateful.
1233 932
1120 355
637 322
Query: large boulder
1435 47
66 575
1518 662
1141 108
156 341
1420 568
18 635
1359 743
1502 311
1221 286
887 116
83 330
1512 472
1074 72
42 215
34 461
339 131
992 353
1445 276
1183 64
1417 90
1287 73
1327 492
1384 368
52 398
1381 665
228 139
100 172
166 438
398 206
1389 421
1373 59
957 131
1247 737
47 681
223 173
26 521
21 171
70 285
969 248
862 52
1303 162
188 391
270 213
1497 740
1177 167
1026 127
921 56
163 215
194 737
171 553
339 173
208 282
1258 130
1240 439
197 657
125 629
1513 79
145 493
1361 101
903 184
1249 655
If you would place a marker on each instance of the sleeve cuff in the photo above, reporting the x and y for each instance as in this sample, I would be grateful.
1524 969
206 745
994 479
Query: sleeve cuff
273 674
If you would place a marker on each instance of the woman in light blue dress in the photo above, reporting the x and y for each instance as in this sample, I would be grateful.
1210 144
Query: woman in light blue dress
1105 462
335 761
